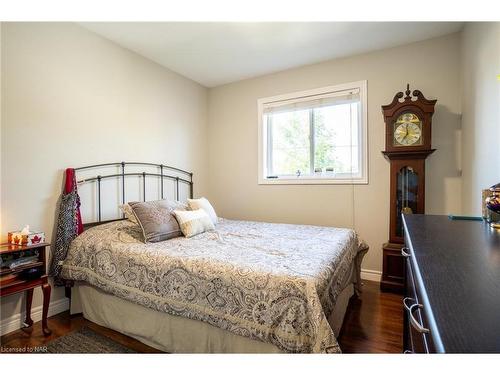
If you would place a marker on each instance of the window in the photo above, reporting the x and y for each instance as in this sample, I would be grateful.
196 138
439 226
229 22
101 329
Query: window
316 136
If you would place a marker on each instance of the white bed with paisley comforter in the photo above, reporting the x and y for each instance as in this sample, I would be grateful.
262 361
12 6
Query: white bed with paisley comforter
246 287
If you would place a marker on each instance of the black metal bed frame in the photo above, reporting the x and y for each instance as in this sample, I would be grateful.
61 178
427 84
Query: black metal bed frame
162 175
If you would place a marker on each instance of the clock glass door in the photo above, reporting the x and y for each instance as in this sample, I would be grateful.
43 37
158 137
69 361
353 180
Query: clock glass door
407 196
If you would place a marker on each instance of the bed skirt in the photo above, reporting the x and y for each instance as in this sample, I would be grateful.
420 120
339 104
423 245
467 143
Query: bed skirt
175 334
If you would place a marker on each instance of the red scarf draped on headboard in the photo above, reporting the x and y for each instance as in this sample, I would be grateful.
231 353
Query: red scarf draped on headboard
70 186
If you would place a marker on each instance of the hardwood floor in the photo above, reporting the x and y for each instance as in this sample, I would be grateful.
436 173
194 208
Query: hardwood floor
373 324
62 324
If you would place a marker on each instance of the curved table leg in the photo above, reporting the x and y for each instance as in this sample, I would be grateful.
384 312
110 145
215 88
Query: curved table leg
28 322
46 300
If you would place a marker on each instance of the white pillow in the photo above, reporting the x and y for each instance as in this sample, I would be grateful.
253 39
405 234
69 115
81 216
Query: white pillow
204 204
193 222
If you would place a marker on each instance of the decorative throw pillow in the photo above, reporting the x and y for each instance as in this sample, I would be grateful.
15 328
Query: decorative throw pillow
194 222
157 220
204 204
176 205
127 211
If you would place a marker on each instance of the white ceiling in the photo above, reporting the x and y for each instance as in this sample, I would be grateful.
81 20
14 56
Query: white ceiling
215 53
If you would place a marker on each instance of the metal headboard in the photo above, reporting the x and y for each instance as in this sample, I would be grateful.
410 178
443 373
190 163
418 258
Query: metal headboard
163 174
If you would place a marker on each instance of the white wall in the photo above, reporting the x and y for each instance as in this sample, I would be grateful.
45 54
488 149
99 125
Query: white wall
72 98
432 66
481 112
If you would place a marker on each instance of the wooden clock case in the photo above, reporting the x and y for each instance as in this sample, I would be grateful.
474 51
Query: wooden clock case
413 157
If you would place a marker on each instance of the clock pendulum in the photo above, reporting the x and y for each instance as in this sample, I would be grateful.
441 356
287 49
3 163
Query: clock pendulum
406 209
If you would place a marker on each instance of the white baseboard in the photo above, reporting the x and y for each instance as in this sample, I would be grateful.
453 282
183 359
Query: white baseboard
371 275
15 322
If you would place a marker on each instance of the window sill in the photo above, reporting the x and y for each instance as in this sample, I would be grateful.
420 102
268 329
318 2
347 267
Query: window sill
313 181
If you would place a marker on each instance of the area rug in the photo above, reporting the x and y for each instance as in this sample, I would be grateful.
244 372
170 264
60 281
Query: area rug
85 341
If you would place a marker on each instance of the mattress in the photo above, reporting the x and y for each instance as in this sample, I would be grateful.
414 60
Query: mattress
276 283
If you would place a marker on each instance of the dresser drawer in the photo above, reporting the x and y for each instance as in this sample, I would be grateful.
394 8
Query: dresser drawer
417 338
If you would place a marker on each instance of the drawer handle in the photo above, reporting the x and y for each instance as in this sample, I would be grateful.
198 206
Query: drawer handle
414 322
408 307
404 253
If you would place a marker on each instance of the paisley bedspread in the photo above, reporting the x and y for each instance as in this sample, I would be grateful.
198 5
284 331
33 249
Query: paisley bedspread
276 283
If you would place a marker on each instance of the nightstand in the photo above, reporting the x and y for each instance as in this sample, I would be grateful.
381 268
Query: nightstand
26 277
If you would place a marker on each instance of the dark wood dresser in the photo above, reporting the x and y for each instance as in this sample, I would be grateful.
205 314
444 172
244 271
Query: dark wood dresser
452 286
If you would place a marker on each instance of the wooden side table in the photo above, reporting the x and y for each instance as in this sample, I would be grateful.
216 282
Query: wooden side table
17 279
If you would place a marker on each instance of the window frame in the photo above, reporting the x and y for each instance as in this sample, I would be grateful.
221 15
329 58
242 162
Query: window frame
263 153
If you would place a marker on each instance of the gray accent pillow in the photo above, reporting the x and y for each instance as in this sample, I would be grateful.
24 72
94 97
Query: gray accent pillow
157 220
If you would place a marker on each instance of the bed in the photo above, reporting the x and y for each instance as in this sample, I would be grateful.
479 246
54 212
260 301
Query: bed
245 287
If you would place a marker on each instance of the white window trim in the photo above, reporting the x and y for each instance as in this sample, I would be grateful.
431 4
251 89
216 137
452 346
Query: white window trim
316 180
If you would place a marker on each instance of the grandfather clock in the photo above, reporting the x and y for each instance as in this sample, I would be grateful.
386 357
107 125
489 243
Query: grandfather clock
408 121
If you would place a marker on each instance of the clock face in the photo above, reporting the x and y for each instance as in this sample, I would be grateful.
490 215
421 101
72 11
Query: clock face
408 130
